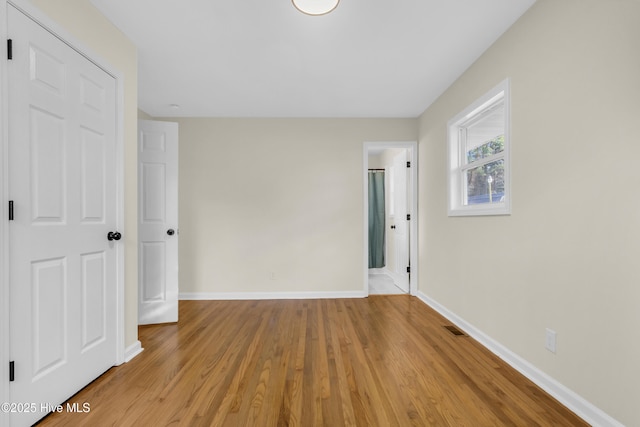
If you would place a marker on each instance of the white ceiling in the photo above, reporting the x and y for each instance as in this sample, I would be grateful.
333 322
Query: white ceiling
263 58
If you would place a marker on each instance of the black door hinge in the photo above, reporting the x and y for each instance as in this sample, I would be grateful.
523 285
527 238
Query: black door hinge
408 164
12 371
409 269
408 217
9 49
10 210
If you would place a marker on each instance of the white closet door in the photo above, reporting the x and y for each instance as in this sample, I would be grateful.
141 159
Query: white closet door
62 136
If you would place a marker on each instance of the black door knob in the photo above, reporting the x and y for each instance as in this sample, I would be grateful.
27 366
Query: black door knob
171 232
114 235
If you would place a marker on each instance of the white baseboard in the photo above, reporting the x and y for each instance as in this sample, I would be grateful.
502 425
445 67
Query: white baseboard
584 409
268 295
132 351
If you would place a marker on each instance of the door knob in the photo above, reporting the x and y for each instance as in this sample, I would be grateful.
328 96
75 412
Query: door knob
171 232
114 235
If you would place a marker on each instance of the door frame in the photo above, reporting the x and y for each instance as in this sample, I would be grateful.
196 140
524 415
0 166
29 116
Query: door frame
412 183
58 31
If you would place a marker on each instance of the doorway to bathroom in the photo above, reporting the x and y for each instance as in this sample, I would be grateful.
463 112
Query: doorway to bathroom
390 218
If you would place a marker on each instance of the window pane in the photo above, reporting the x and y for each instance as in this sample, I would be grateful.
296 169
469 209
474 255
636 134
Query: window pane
485 184
487 126
489 148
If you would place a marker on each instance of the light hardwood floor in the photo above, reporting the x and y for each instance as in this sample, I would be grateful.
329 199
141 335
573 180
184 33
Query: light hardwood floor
377 361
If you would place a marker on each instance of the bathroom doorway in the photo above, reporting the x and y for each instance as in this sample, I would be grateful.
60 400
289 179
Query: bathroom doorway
390 218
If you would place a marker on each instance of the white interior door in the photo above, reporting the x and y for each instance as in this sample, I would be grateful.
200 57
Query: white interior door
158 221
63 269
401 223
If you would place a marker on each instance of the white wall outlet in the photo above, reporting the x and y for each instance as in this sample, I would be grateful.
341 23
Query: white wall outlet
272 275
550 341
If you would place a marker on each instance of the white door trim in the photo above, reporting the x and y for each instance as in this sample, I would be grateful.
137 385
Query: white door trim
43 20
412 156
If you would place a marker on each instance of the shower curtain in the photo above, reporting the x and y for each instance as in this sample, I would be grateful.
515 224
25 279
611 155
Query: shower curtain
376 219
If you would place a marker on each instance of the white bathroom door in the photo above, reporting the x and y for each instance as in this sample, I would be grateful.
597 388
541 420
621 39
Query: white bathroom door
62 188
158 221
401 234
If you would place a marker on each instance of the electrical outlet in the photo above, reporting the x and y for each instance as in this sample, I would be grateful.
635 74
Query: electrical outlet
272 276
550 341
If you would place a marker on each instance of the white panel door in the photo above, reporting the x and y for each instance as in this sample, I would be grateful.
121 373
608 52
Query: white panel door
158 222
63 270
401 234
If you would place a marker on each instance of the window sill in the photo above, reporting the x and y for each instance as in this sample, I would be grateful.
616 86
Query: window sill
477 210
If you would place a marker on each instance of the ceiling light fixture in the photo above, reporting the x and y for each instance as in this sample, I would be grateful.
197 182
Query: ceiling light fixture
315 7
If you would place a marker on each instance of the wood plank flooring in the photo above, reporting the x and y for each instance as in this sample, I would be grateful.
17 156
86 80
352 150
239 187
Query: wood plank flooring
377 361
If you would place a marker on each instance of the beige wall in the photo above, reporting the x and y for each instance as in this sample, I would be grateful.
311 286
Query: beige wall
283 196
92 29
567 256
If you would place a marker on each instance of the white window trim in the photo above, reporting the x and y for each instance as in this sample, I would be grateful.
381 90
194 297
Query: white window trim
456 164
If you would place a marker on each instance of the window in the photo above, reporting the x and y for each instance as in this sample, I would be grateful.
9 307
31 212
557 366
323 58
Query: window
479 156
